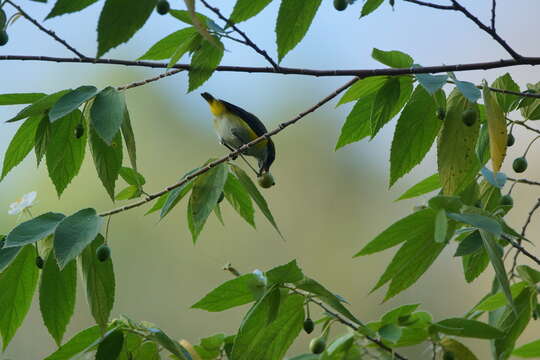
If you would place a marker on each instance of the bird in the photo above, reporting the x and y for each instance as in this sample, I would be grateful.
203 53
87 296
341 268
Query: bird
236 127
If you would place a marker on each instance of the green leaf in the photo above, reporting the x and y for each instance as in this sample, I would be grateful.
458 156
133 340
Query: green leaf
528 274
357 125
57 296
394 58
258 340
65 153
116 25
190 44
342 348
479 221
498 300
147 351
237 195
411 260
76 344
288 273
514 323
130 192
21 144
232 293
107 113
74 233
294 19
441 226
246 9
385 100
429 184
407 229
129 139
468 328
107 159
71 101
100 283
20 98
457 349
456 157
390 332
40 106
468 89
166 47
205 194
132 177
370 6
7 255
505 101
184 16
495 257
474 264
18 283
327 297
530 350
62 7
203 63
416 130
33 230
470 244
111 346
158 336
255 195
43 136
363 88
432 83
393 316
496 179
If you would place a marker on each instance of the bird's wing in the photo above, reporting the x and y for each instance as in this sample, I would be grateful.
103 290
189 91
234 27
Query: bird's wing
254 123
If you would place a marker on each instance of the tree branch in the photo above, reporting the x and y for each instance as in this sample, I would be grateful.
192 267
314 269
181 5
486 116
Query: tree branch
233 154
144 82
488 30
247 40
493 6
524 181
522 123
48 32
363 73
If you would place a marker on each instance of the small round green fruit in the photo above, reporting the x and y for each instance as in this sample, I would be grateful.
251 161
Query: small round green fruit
441 113
39 262
309 325
266 180
79 131
507 200
469 117
163 7
520 164
103 253
340 5
4 38
317 345
510 140
448 355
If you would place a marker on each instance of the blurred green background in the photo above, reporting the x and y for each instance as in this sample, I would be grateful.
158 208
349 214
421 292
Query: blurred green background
328 204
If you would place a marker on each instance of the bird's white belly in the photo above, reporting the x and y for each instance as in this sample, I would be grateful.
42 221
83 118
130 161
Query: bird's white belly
224 126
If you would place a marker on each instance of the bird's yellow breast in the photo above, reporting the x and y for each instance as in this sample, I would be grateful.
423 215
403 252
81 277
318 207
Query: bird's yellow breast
217 108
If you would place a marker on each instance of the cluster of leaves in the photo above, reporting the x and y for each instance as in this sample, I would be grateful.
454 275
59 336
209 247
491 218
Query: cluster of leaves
468 210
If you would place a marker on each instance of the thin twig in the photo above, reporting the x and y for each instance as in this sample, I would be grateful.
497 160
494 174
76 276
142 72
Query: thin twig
524 181
503 91
144 82
232 154
47 31
517 245
247 40
522 123
363 73
493 6
488 30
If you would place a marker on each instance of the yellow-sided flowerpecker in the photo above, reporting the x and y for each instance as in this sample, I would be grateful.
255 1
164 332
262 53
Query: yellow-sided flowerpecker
236 127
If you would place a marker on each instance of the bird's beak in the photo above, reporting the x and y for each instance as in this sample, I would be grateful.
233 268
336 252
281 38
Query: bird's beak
207 97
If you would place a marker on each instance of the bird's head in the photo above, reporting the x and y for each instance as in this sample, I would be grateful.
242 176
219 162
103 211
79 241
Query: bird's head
216 106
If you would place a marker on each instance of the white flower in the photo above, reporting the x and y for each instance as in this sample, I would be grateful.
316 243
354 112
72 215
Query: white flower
23 203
